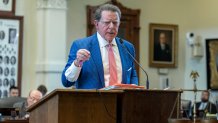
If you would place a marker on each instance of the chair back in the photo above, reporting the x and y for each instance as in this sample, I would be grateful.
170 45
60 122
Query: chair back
10 101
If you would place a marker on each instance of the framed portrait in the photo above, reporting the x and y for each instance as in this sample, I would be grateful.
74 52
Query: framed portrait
11 36
163 41
212 63
7 7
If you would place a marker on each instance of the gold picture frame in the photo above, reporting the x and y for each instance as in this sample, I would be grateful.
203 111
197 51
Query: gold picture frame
163 41
212 63
7 7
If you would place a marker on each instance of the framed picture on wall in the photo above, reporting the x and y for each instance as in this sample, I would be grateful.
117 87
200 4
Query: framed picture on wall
163 41
7 7
11 32
212 63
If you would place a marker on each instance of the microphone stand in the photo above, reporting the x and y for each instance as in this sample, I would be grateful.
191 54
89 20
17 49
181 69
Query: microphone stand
147 80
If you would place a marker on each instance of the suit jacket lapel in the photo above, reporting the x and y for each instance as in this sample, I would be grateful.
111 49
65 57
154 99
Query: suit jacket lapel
123 59
96 57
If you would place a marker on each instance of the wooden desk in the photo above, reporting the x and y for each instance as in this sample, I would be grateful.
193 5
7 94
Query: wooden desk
190 121
209 121
98 106
149 106
15 121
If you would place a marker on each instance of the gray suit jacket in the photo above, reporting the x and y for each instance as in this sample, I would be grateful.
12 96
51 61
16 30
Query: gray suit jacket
22 106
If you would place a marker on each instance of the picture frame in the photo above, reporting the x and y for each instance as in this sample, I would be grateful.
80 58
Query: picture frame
11 42
212 63
163 41
7 7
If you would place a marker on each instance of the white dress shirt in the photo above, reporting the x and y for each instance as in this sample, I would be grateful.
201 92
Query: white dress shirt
163 46
202 106
72 73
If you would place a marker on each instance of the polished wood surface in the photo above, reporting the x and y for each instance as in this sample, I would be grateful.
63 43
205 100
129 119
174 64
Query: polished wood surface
191 121
153 106
114 106
180 121
76 106
209 121
15 121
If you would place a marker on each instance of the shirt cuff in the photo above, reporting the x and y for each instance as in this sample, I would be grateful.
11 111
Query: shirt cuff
72 73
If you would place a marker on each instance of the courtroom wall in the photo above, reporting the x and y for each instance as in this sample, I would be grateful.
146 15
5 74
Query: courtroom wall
196 16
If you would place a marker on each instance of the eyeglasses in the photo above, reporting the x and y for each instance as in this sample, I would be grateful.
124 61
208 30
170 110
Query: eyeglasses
107 23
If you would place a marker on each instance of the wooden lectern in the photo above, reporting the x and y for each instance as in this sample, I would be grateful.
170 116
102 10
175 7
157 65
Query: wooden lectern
98 106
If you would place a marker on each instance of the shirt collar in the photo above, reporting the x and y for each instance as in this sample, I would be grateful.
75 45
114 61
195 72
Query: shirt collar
103 42
204 103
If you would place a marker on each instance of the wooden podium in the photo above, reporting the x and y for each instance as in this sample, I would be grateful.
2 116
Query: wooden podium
98 106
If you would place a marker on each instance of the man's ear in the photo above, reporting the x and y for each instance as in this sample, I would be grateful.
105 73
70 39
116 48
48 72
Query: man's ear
96 23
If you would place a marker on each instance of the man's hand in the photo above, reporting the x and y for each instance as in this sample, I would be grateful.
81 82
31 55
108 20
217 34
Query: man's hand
82 55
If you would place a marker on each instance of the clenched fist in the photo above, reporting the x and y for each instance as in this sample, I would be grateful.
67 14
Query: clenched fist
82 55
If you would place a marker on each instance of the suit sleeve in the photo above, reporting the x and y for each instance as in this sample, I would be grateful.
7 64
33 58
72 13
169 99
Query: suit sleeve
71 58
214 109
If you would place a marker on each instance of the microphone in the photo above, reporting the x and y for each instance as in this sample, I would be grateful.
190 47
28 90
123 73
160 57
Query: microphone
147 80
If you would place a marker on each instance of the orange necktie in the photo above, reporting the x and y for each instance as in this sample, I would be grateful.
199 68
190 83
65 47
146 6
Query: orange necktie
112 66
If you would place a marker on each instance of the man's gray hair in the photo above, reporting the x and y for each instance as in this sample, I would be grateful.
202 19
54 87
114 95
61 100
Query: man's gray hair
106 7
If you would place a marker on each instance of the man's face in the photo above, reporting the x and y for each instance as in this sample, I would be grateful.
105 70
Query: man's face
34 97
162 38
14 93
5 1
13 33
108 25
204 96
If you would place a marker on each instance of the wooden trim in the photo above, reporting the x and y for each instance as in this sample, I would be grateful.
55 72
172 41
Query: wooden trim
9 13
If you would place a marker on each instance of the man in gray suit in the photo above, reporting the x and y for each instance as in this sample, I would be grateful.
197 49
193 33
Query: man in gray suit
34 96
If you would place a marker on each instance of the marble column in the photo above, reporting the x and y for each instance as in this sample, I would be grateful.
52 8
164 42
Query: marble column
51 45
